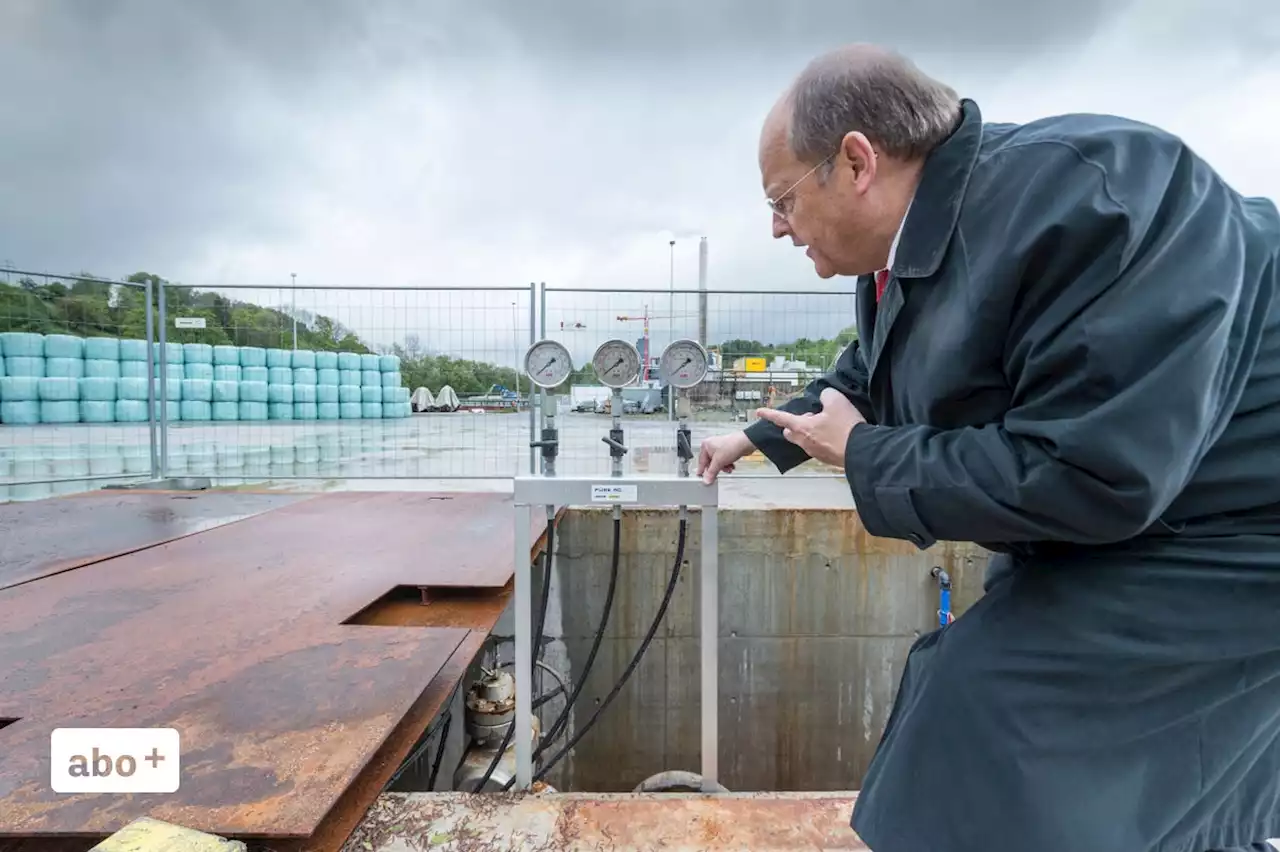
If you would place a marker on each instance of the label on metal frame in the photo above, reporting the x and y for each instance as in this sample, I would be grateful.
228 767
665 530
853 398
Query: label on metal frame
188 322
614 494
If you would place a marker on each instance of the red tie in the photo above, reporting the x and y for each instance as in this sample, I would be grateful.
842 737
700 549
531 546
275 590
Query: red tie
882 278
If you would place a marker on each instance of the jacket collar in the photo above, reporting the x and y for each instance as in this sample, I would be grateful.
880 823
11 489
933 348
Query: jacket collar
935 208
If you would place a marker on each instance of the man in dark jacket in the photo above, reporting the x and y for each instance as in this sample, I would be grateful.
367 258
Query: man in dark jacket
1068 352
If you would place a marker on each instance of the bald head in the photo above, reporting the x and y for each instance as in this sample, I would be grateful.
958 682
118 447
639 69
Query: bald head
868 89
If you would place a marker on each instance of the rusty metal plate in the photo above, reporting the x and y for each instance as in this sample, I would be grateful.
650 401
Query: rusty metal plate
48 536
761 822
234 636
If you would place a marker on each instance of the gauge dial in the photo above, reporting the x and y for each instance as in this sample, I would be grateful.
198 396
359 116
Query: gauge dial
548 363
684 363
617 363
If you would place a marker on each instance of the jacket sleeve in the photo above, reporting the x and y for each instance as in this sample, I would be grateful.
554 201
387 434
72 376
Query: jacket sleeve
849 377
1132 331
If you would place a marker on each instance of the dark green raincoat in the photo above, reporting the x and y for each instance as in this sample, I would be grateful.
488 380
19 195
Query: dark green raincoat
1076 363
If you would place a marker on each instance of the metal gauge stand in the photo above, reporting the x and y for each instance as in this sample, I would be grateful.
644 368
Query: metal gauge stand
620 491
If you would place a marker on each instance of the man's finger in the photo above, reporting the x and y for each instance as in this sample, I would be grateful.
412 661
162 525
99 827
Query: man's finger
784 419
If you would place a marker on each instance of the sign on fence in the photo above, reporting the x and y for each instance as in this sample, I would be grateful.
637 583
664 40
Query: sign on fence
188 322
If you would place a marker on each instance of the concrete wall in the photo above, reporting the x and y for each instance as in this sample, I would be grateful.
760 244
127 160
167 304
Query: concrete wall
816 618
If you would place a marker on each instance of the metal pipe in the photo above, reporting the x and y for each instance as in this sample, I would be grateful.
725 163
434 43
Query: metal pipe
702 291
524 648
533 415
151 385
709 628
164 392
294 309
695 292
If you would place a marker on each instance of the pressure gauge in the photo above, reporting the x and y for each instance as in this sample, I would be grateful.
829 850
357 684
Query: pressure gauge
617 363
548 363
684 363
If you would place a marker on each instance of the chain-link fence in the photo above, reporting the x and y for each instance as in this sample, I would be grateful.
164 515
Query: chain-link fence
75 363
764 347
346 382
328 383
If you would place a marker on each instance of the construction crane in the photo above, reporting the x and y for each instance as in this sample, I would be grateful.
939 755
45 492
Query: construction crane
644 337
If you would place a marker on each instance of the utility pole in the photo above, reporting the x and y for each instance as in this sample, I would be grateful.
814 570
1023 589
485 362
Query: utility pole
294 309
671 311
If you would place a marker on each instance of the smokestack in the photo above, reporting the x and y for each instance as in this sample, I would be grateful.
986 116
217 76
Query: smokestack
702 291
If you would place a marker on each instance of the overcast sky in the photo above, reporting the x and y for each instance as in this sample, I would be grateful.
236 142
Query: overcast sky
422 142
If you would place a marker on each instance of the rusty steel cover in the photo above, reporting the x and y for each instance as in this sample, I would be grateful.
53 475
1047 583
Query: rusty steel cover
234 636
48 536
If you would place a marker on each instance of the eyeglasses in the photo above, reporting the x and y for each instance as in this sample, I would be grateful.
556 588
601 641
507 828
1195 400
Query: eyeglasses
776 205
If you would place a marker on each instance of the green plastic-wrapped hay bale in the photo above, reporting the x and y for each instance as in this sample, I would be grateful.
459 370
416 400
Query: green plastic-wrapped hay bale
64 346
327 376
226 356
19 389
350 410
174 353
348 393
280 394
280 375
370 393
64 368
197 353
326 360
102 349
197 390
99 389
371 410
392 380
24 412
371 362
279 358
226 392
225 411
255 374
253 356
400 394
131 410
305 376
252 410
349 377
254 392
21 344
370 378
280 411
303 358
328 411
132 350
133 369
305 393
60 411
103 368
326 393
60 389
196 370
389 364
134 390
348 361
305 411
27 366
226 373
197 410
98 411
395 410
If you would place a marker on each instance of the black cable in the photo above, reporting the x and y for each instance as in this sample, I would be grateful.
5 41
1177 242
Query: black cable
561 723
631 667
537 649
435 764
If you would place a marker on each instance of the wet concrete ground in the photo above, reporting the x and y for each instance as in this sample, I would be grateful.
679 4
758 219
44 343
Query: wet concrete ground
425 451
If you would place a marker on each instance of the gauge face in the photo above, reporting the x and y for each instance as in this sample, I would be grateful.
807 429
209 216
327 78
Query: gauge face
684 363
617 363
548 363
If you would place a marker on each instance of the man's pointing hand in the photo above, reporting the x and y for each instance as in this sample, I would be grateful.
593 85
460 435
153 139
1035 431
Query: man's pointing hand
823 435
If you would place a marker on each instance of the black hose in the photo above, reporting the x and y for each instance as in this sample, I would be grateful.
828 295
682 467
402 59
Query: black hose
537 649
435 764
562 720
631 667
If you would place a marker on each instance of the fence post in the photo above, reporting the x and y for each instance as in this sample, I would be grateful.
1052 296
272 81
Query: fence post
151 384
533 415
164 389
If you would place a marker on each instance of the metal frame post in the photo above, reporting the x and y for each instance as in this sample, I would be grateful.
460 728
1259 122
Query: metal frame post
164 390
151 384
533 415
618 492
524 646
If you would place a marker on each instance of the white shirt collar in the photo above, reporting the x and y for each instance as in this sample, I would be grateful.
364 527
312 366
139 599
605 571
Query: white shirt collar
893 247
